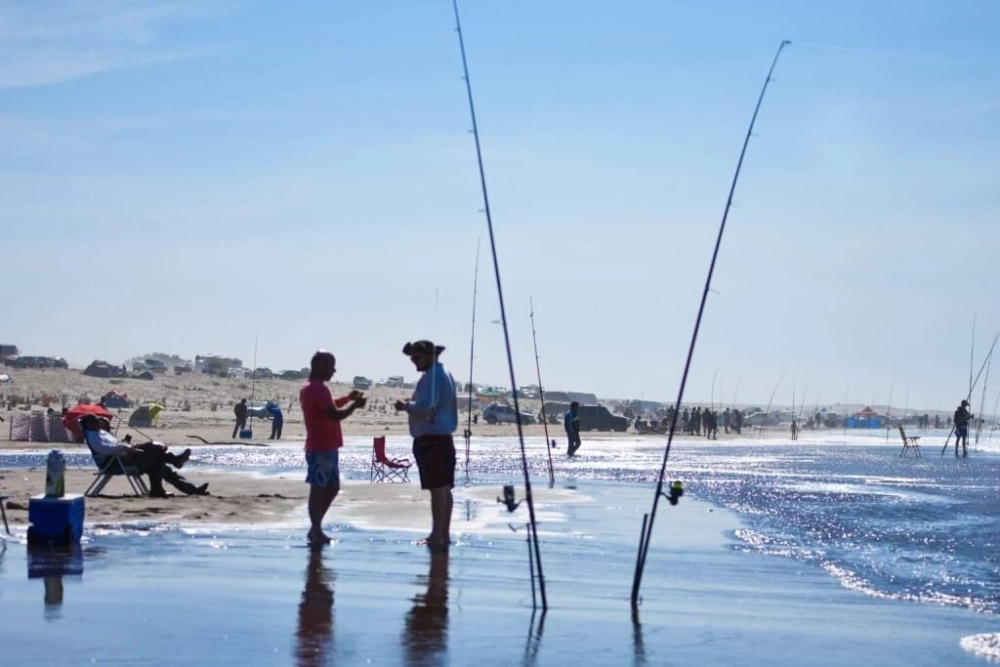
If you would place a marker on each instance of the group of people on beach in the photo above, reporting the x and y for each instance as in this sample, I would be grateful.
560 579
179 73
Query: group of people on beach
432 413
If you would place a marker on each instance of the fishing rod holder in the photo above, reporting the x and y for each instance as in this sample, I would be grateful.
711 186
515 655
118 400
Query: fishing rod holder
508 498
676 490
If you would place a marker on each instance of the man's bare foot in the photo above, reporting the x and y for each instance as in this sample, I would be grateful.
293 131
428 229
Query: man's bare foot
318 538
434 544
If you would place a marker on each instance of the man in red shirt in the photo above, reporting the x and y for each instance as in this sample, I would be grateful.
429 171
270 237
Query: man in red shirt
324 438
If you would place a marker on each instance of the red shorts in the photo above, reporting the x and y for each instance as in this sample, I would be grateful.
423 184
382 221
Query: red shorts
435 457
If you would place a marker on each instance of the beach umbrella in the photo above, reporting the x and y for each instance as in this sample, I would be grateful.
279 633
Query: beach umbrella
71 420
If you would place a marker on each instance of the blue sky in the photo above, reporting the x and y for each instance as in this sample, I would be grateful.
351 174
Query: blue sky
211 172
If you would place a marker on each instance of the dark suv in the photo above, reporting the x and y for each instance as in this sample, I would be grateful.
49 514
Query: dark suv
592 417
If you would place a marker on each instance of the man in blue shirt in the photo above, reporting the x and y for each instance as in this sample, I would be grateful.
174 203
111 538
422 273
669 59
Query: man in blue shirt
277 419
433 417
571 420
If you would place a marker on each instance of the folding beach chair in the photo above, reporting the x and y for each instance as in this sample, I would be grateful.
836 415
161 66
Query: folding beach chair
109 467
385 469
909 442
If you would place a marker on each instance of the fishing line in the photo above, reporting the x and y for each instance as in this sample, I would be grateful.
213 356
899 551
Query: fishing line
472 357
528 497
649 519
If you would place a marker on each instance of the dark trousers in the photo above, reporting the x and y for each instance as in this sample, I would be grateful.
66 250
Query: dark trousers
574 443
240 424
276 428
155 461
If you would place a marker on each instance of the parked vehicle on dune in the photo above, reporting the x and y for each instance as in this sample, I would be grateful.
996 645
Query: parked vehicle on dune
762 419
592 417
497 413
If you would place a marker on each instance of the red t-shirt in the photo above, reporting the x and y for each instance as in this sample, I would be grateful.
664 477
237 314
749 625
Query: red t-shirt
322 433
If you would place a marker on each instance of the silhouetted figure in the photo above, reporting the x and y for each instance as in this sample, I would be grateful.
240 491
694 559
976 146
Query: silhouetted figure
240 410
962 418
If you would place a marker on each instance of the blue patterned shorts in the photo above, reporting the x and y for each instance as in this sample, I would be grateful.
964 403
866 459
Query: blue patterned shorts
323 469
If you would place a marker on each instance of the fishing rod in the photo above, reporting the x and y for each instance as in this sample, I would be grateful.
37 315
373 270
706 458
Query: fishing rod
888 410
676 489
993 419
528 497
253 381
982 402
712 401
767 410
472 357
971 387
541 393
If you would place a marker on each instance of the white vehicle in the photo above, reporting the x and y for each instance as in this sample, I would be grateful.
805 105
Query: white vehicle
496 413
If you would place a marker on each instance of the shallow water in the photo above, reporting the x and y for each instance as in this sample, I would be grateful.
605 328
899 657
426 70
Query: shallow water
837 550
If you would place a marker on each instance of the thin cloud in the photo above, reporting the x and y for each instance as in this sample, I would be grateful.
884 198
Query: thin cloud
51 43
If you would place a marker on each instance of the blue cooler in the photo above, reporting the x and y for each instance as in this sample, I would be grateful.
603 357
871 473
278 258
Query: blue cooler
56 521
246 434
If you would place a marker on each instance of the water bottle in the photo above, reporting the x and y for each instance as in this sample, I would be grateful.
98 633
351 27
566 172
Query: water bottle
55 475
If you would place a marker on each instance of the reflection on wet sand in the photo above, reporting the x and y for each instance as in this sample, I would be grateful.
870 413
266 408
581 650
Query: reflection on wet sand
534 638
638 648
426 637
51 564
315 632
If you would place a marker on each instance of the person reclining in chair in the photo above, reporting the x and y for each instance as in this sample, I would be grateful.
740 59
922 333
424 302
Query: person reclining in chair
150 458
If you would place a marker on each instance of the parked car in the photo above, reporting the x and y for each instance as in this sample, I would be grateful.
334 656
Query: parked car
394 381
592 417
361 382
762 419
258 410
497 413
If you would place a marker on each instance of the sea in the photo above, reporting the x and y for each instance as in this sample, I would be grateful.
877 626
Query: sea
829 549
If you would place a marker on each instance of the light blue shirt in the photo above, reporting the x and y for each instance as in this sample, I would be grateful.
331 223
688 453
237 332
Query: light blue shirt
435 389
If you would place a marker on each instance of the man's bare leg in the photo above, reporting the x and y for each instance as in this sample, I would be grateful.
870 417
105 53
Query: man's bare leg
441 506
320 499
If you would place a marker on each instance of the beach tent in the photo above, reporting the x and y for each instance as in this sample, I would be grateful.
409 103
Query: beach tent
72 417
145 415
866 418
115 399
38 427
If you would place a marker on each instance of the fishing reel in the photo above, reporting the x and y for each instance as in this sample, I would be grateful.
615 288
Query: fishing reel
675 492
508 498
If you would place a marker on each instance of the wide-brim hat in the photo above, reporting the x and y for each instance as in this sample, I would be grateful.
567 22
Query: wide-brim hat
422 347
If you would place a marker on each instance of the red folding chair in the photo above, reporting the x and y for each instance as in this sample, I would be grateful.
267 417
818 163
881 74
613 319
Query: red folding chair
385 469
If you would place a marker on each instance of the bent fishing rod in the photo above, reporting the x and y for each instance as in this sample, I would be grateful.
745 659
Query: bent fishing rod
649 519
972 385
472 358
528 498
541 394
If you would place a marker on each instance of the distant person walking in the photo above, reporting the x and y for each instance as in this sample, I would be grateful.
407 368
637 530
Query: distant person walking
433 419
795 430
962 418
277 420
324 438
240 410
571 422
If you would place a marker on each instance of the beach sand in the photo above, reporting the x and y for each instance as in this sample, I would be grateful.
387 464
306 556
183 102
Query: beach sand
200 407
